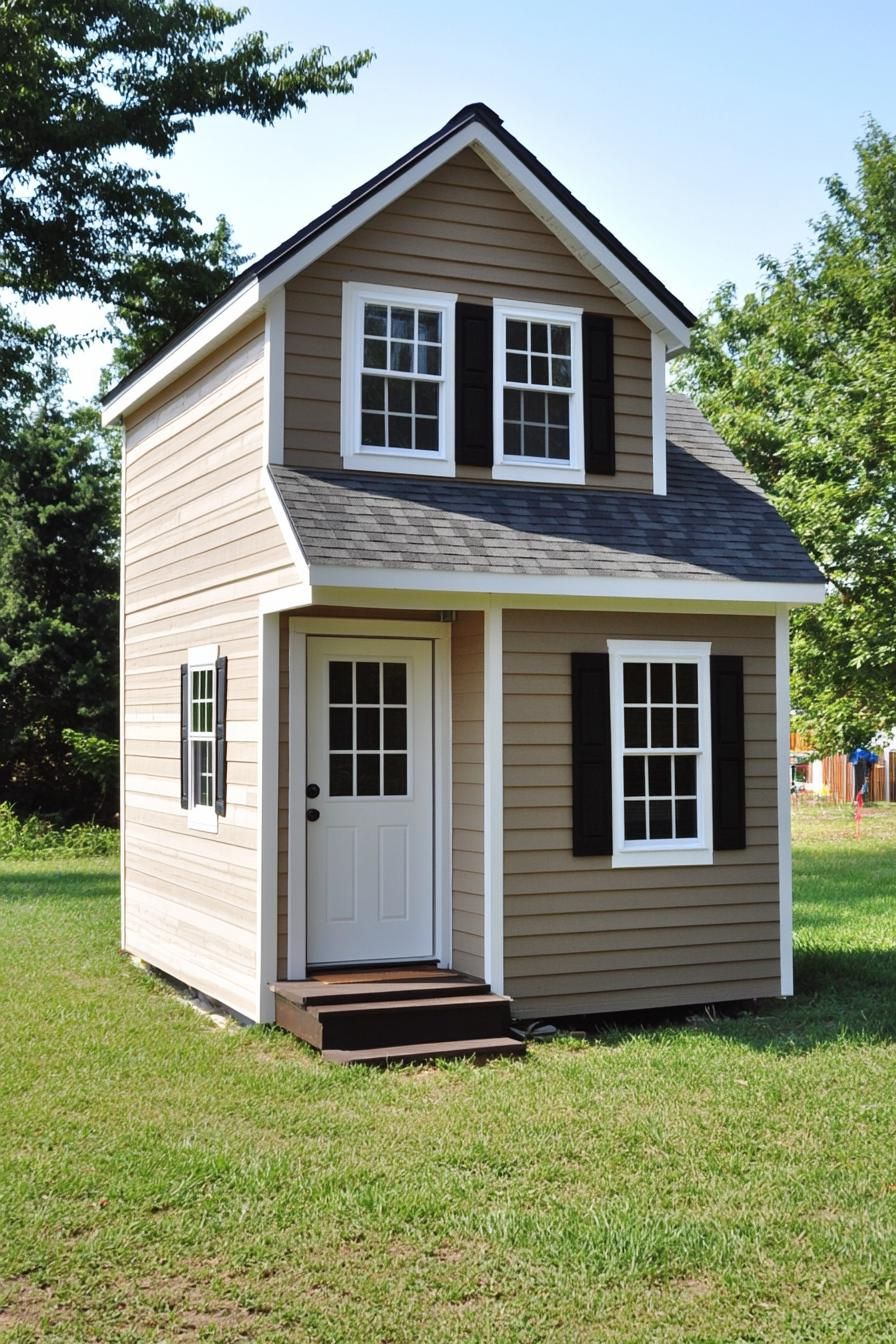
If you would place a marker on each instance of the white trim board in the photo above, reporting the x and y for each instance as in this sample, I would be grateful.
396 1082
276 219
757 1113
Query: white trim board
275 377
727 591
493 799
267 811
658 410
211 331
785 860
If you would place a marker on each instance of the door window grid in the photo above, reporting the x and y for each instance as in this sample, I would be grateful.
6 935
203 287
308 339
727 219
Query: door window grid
202 723
368 728
401 371
538 355
661 750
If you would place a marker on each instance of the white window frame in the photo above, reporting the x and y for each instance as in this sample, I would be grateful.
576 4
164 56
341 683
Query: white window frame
661 853
202 658
512 468
402 460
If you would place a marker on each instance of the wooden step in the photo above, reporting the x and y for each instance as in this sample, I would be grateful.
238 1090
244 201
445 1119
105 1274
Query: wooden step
479 1048
359 1026
310 992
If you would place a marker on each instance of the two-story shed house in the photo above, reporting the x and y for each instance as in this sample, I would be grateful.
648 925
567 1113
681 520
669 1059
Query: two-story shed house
454 649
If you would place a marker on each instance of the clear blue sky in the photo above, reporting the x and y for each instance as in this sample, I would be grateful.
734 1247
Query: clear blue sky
697 131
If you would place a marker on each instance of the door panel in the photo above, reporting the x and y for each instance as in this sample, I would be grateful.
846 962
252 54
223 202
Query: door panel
370 751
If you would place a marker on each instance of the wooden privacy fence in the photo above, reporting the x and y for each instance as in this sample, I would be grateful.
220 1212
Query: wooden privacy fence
838 778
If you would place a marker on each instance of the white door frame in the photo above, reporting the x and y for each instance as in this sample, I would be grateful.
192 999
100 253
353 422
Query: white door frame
300 628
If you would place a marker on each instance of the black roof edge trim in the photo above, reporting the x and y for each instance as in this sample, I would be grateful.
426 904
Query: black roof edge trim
473 112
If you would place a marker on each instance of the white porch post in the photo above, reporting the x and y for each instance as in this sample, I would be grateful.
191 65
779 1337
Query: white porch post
493 810
785 863
268 789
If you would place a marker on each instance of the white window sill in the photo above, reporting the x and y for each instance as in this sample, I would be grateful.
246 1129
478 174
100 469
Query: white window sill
662 858
538 472
401 464
202 819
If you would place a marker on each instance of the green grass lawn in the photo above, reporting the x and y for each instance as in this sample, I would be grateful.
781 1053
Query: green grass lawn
702 1182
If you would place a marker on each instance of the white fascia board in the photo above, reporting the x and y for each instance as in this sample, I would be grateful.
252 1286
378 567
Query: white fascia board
582 242
211 332
452 581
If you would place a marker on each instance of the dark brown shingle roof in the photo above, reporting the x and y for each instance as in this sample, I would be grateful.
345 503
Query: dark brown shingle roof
714 523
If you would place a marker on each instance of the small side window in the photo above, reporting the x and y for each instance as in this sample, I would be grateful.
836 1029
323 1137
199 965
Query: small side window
200 755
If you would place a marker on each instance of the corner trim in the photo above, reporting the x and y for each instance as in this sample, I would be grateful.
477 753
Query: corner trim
785 854
493 804
658 410
296 861
268 806
274 376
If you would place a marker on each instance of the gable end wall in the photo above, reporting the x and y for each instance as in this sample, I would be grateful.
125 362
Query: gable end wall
463 231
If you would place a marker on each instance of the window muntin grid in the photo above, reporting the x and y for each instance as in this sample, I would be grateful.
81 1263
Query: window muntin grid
202 736
538 388
661 750
368 747
401 376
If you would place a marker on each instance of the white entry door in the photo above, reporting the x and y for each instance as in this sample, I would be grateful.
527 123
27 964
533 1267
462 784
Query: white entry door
369 810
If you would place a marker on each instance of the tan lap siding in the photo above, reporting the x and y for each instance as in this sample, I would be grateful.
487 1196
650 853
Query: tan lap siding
462 231
201 543
582 937
467 696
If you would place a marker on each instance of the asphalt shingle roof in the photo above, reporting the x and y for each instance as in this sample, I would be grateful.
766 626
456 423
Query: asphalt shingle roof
714 523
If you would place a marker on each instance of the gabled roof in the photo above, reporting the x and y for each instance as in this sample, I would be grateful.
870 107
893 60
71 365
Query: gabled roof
475 125
714 526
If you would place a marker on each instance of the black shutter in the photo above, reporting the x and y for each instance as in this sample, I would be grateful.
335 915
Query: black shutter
592 812
220 736
729 810
184 735
597 359
473 385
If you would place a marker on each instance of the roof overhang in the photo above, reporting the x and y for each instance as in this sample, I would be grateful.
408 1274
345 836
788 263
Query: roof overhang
728 592
476 128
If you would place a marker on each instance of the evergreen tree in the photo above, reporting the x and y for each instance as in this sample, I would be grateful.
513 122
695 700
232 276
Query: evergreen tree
58 602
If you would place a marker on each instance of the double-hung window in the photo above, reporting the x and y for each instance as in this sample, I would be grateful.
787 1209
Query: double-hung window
397 383
538 393
660 733
201 685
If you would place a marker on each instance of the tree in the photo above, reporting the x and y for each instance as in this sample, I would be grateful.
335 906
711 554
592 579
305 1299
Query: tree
800 379
58 603
83 86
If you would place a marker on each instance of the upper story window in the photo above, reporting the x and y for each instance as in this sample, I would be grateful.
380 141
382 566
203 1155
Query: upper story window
397 392
659 716
538 393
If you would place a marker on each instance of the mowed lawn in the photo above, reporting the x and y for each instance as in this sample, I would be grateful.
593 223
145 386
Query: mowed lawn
703 1181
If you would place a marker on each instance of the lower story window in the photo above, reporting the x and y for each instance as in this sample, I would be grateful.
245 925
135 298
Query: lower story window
660 732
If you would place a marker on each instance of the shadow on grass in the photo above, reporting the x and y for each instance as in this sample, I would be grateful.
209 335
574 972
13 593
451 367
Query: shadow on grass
72 880
840 997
